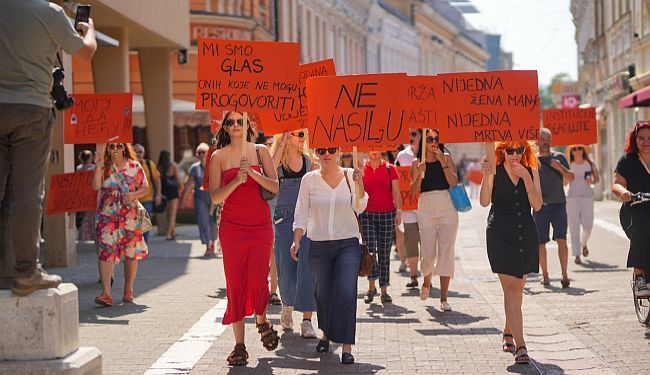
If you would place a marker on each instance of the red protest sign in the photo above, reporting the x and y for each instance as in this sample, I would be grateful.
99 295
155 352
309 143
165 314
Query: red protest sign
409 201
571 125
421 102
274 123
360 110
71 192
247 76
99 118
488 106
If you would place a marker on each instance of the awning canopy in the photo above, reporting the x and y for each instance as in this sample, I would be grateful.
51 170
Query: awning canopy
639 98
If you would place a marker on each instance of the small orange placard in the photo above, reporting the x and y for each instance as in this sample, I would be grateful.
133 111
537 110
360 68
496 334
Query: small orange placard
247 76
71 192
571 125
361 110
488 106
409 201
274 123
421 102
99 118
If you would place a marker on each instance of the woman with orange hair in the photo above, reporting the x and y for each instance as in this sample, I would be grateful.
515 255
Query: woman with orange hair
120 179
512 241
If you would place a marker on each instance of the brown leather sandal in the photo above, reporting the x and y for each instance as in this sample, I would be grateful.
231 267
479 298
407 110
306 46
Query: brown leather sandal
269 336
239 356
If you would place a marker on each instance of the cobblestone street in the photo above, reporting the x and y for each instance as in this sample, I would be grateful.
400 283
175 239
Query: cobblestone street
180 297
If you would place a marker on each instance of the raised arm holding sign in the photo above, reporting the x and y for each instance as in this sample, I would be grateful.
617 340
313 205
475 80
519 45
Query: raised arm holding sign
99 118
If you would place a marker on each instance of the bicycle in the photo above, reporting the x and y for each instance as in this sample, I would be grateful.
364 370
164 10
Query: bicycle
641 305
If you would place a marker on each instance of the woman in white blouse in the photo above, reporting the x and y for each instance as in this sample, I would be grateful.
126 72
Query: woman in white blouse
328 203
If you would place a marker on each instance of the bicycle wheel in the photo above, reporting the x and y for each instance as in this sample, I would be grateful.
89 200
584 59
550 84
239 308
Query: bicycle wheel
642 307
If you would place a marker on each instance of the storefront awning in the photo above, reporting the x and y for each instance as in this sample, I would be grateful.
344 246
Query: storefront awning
639 98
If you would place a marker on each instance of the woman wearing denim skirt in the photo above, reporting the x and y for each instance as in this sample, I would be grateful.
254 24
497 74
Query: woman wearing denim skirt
294 278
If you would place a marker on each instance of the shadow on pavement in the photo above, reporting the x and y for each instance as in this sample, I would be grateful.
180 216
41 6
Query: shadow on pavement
554 289
531 369
218 294
329 364
449 318
386 310
107 315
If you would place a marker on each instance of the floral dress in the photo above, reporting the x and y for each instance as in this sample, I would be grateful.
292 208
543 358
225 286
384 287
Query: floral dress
119 234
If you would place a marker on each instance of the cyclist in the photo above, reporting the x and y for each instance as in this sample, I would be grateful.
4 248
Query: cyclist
631 176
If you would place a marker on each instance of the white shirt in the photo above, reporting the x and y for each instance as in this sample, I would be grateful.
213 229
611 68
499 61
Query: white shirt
325 214
405 159
579 188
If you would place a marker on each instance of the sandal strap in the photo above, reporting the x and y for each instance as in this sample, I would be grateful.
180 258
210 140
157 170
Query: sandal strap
507 335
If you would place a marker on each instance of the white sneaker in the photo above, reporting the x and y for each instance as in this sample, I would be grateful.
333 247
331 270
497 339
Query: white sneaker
640 288
286 317
445 306
402 267
307 330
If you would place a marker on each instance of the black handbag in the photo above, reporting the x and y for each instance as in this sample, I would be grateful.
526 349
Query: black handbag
266 194
368 260
157 209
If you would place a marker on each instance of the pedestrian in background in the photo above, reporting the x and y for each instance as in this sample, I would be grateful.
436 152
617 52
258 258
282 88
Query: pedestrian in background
292 162
153 197
120 180
632 175
328 203
86 220
32 31
378 220
554 173
202 201
408 234
345 161
170 181
432 175
245 229
273 269
580 199
512 243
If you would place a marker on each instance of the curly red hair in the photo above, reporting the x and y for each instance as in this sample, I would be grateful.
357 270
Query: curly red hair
528 159
630 144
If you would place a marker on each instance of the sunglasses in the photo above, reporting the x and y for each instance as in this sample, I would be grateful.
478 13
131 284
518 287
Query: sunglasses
414 134
230 122
577 149
323 151
114 146
518 150
201 152
300 135
431 139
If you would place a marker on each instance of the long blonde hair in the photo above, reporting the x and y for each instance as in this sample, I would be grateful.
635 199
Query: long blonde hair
284 160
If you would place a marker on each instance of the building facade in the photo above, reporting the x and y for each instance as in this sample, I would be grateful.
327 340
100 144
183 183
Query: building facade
613 40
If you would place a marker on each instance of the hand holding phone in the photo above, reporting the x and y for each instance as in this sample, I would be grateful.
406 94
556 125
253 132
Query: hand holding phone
83 15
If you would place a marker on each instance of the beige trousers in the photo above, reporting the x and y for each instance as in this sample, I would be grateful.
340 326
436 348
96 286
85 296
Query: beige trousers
438 223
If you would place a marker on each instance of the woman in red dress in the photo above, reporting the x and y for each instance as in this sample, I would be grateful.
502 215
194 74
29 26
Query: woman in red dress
245 230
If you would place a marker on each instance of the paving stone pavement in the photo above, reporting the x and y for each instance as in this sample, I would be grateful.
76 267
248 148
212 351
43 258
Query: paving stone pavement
589 328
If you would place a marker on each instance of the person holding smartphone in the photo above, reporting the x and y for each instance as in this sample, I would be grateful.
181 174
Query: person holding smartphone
580 199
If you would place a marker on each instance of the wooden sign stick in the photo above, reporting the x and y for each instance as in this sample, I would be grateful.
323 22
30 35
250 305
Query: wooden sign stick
491 158
355 165
244 135
424 148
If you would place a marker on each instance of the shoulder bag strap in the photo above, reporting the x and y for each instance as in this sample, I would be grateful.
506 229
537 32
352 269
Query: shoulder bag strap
347 182
644 164
551 167
259 160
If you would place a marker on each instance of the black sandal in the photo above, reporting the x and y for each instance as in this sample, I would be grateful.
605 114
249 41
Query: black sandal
275 300
508 347
239 356
565 282
323 346
269 336
522 359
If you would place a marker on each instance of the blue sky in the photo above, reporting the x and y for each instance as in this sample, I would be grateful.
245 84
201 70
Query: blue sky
540 33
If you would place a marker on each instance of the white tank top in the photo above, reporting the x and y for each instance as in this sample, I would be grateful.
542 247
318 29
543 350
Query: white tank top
579 186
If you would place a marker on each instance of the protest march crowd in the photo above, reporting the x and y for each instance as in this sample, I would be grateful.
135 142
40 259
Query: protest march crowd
326 202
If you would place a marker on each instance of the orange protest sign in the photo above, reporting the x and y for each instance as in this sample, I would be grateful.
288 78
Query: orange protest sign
274 123
99 118
488 106
409 201
571 125
421 102
391 147
71 192
360 110
247 76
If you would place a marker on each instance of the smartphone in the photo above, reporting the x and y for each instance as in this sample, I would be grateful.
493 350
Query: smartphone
83 15
588 174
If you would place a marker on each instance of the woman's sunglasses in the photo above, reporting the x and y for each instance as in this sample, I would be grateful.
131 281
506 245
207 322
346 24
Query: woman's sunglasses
300 135
230 122
201 152
512 151
323 151
431 139
114 146
577 149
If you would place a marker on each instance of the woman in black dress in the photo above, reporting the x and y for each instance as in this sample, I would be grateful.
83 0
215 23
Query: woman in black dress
169 179
512 242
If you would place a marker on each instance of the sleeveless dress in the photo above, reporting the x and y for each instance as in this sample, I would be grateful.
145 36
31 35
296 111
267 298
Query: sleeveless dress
246 236
512 242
